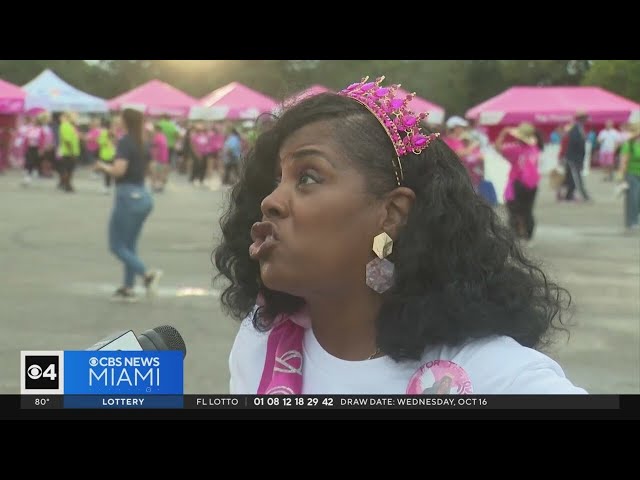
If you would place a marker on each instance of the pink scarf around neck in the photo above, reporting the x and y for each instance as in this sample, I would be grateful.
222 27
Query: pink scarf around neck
282 372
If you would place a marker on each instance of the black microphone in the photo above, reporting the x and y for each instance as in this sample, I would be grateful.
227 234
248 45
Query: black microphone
164 337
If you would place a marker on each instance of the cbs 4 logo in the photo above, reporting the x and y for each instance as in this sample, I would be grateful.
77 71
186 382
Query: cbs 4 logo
41 372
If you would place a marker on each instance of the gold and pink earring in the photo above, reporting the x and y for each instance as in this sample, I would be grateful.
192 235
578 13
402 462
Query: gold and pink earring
380 270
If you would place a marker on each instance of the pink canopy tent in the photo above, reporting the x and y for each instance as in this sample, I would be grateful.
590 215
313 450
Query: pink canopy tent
11 98
552 106
237 101
156 98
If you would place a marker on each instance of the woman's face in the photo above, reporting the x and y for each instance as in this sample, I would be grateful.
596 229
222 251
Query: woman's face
320 220
458 131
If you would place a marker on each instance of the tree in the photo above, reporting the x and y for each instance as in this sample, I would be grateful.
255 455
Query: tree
103 79
544 72
619 76
456 85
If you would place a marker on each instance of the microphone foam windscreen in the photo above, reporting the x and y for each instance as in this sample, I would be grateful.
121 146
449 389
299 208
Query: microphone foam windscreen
172 338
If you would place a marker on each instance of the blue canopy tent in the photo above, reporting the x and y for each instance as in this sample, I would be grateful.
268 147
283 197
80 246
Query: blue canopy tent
50 92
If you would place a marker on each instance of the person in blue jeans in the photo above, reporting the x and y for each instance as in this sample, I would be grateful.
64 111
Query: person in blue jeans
132 205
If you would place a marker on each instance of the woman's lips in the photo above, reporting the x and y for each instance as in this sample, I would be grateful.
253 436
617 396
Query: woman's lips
264 237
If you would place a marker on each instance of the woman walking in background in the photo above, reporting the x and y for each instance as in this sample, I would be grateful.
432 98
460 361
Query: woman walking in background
132 205
520 146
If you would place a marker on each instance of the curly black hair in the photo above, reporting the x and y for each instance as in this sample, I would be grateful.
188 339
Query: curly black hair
460 273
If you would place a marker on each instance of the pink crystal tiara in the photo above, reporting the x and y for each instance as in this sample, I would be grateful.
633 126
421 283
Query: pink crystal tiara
394 115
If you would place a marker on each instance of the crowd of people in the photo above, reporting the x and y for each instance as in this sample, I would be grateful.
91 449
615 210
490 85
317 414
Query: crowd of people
615 151
44 144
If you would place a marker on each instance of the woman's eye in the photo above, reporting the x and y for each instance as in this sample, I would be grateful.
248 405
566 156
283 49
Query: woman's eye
306 179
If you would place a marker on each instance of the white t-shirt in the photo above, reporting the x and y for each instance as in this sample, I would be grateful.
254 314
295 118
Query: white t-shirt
609 140
496 365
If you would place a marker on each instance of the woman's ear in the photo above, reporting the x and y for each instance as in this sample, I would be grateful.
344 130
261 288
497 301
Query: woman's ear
398 204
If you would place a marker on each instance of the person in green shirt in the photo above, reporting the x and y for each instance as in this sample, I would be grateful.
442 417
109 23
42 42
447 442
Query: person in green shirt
171 133
68 149
630 170
106 149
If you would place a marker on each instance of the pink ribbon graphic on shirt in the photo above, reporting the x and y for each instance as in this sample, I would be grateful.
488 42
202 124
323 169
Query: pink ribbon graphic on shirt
439 377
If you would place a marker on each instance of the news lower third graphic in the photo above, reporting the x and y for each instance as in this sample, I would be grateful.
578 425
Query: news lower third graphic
118 379
105 379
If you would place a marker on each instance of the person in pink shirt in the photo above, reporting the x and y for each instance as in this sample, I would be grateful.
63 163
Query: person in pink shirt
160 160
521 149
19 143
216 142
199 147
31 134
46 147
473 161
466 148
5 146
91 139
16 148
456 129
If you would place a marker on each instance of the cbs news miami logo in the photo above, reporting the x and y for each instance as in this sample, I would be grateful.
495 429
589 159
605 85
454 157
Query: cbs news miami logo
101 373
